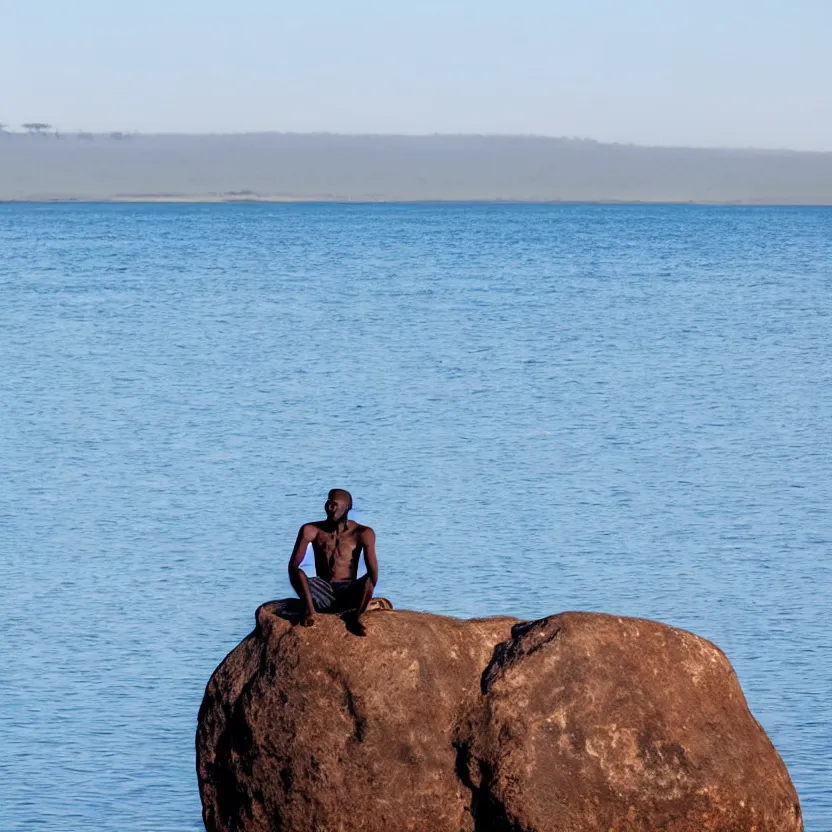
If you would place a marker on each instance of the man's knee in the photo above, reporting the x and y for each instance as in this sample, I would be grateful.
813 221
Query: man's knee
362 591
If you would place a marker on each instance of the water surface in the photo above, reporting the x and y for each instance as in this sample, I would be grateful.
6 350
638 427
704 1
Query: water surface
538 408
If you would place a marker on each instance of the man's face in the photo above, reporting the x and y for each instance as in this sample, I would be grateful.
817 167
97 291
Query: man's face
336 507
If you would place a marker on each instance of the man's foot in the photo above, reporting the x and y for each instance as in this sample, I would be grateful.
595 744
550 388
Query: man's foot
307 619
354 624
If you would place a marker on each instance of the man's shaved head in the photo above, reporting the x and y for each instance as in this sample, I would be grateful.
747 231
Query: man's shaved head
338 505
341 494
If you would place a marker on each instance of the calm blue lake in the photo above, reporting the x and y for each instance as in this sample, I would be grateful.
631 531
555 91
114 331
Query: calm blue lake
538 408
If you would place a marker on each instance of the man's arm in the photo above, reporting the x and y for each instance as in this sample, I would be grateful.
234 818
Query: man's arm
297 577
368 542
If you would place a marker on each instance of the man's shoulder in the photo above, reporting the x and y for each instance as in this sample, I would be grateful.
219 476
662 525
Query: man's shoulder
363 531
310 530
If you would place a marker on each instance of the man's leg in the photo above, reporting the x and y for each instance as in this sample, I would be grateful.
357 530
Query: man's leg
366 594
355 601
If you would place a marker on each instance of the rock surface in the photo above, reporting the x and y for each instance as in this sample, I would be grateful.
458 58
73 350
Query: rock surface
592 722
318 730
578 721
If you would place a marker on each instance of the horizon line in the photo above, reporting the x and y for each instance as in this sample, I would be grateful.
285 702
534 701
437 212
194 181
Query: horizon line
48 130
143 199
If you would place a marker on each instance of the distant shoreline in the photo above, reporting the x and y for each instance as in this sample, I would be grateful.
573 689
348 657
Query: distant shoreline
280 200
296 168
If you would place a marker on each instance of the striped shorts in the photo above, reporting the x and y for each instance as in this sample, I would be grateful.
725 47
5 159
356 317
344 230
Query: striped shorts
335 596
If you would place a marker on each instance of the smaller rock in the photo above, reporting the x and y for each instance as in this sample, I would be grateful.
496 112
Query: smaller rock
594 722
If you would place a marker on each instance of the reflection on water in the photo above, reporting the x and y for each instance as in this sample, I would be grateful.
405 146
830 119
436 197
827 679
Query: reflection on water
625 409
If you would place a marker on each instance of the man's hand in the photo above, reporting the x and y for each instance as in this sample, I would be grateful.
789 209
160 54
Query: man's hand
307 620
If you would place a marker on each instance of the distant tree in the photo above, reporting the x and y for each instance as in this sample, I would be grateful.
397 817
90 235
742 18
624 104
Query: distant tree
119 136
36 127
85 137
3 127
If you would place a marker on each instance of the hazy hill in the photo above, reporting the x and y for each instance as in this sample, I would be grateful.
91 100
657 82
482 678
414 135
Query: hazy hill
399 168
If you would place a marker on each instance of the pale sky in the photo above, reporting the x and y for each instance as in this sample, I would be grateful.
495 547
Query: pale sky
732 73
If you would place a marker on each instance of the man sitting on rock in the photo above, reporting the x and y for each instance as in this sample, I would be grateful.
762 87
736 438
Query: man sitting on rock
338 543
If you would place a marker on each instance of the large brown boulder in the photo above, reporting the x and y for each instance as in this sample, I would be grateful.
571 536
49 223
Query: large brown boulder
593 722
319 730
575 722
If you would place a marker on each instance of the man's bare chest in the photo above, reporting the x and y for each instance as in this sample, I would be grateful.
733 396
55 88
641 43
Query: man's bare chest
337 545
